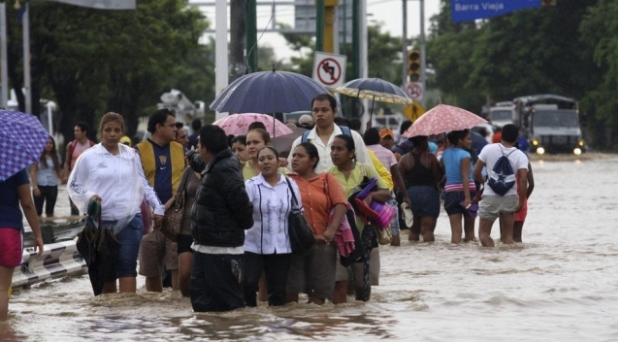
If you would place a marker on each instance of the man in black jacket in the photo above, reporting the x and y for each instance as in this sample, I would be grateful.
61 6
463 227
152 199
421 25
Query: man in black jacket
219 217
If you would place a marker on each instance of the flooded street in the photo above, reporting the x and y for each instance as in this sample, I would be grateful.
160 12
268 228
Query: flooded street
561 284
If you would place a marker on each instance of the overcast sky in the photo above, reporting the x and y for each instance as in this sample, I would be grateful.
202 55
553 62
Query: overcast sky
388 12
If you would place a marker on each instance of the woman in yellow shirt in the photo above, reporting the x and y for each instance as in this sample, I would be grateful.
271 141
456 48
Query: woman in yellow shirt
350 175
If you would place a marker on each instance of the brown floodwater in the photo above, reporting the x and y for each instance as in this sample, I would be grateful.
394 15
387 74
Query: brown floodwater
561 284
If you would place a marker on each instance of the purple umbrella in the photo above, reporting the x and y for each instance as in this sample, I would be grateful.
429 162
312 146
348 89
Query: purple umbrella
22 139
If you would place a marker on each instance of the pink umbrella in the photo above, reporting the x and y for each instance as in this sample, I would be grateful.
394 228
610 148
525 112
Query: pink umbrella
237 124
443 118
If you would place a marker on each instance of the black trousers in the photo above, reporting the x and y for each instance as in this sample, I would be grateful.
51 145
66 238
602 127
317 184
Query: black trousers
49 195
215 282
276 268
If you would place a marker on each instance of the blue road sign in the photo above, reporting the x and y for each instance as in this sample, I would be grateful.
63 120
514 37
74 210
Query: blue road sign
469 10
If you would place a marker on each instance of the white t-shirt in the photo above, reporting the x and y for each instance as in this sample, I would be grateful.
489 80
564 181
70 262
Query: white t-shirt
490 155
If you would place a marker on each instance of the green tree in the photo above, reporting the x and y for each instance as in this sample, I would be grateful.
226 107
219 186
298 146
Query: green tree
95 61
599 30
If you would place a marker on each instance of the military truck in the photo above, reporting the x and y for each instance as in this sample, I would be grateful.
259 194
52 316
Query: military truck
552 123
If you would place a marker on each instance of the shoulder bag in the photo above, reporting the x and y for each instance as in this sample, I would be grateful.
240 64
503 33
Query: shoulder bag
301 235
174 214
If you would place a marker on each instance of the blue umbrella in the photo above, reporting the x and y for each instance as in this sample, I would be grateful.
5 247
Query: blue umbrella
22 139
374 89
268 92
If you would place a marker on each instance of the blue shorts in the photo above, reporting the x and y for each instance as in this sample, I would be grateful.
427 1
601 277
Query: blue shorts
425 201
452 202
395 221
130 238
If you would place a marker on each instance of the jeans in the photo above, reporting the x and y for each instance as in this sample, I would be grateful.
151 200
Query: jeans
130 238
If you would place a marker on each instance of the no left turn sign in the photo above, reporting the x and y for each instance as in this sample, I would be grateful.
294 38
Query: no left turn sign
329 69
415 90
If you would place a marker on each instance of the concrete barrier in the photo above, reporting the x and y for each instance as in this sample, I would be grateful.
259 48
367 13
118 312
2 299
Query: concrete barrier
58 260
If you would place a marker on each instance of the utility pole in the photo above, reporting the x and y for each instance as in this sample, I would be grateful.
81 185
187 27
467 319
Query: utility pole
238 66
252 35
221 53
319 25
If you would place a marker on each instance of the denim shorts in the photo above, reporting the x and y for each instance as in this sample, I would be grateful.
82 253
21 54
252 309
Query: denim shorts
395 221
130 238
452 202
425 201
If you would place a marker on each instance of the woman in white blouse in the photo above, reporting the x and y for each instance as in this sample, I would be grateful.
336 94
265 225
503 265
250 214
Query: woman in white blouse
267 243
112 174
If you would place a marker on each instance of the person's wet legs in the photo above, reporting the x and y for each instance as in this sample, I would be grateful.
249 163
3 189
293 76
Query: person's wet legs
341 292
507 223
416 229
428 226
469 229
6 277
518 227
456 229
485 232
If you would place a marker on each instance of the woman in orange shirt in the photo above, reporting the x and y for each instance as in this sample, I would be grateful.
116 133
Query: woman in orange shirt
314 274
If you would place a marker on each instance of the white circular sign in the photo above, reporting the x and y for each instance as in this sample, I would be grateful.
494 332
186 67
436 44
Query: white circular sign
329 71
415 90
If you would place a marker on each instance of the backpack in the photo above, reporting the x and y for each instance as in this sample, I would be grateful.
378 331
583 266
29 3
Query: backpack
501 177
344 130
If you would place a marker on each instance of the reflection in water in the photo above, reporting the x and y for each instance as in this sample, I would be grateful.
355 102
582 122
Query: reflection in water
559 285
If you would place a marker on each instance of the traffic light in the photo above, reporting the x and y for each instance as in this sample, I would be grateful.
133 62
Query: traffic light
414 66
548 2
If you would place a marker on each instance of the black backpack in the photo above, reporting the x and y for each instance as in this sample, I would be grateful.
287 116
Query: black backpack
501 177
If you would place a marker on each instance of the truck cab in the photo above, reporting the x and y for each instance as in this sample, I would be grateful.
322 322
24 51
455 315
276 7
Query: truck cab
555 130
502 114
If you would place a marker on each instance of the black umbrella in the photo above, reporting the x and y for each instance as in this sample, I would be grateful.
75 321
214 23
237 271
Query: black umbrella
99 248
268 92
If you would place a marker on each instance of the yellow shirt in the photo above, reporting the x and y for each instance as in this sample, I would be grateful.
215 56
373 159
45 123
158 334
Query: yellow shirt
385 175
350 184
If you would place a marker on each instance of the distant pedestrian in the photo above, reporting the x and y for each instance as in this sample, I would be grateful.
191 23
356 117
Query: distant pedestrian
421 172
45 175
459 189
239 149
520 216
73 151
194 138
494 205
181 136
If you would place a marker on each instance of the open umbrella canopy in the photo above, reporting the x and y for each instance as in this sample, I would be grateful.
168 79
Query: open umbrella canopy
22 139
237 124
443 118
374 89
268 92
